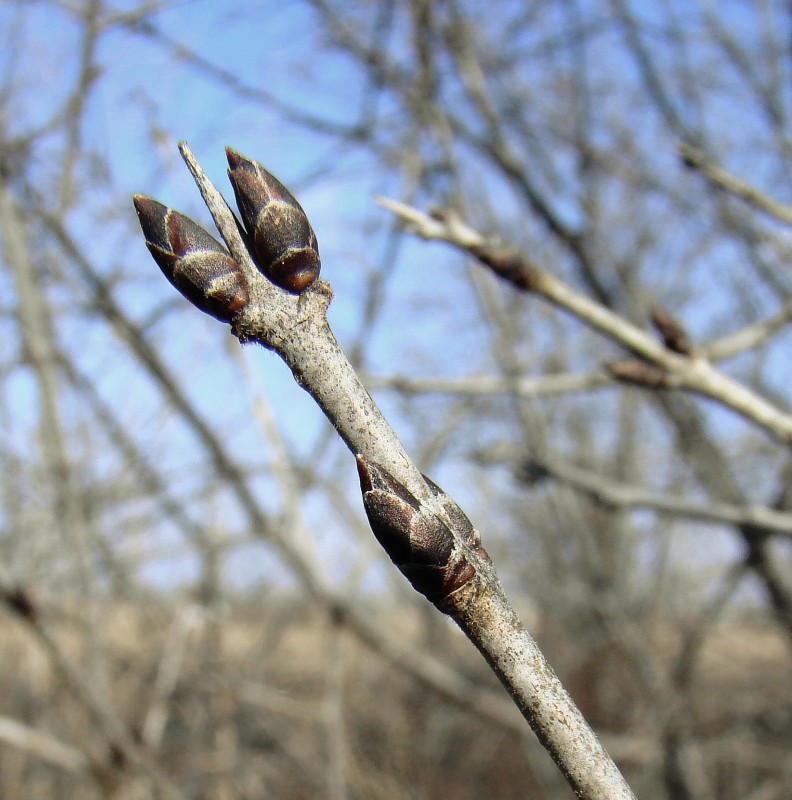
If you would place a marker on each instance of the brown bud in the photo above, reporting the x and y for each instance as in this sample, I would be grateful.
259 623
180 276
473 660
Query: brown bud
675 337
639 372
282 238
459 520
417 540
192 260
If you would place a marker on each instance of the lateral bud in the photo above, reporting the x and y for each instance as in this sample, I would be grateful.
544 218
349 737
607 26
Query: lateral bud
639 372
419 541
283 241
673 333
193 260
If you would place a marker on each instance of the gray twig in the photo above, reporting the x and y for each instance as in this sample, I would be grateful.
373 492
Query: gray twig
422 529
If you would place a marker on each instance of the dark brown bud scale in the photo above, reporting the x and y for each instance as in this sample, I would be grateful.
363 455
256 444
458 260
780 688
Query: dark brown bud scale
675 337
283 241
460 573
193 260
418 540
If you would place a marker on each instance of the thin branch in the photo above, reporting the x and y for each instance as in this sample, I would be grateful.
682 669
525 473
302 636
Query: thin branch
681 372
748 337
296 328
42 745
168 673
625 496
542 386
719 177
407 514
122 745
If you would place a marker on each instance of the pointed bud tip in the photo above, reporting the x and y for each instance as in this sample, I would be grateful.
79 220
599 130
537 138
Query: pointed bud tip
236 160
148 206
152 216
366 484
375 478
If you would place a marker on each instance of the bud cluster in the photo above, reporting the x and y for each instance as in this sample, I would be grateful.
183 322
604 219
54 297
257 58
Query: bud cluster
277 230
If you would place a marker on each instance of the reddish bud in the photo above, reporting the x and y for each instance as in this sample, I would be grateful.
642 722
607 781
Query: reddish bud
282 238
192 260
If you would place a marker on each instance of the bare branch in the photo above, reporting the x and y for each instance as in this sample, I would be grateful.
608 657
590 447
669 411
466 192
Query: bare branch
543 386
424 532
117 735
691 374
625 496
42 745
748 337
428 670
719 177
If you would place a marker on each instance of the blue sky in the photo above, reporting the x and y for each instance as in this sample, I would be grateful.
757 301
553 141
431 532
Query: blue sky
145 101
142 104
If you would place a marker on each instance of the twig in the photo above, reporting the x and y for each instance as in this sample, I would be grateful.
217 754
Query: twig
422 529
699 160
624 496
421 665
124 749
296 328
562 383
42 745
692 374
748 337
168 672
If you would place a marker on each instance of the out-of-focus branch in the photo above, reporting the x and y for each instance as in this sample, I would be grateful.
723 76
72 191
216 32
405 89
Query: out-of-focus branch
38 338
697 159
748 337
625 496
650 75
89 73
42 745
681 372
143 26
123 749
714 471
168 673
546 385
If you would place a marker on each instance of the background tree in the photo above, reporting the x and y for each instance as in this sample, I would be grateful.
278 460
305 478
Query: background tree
205 589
